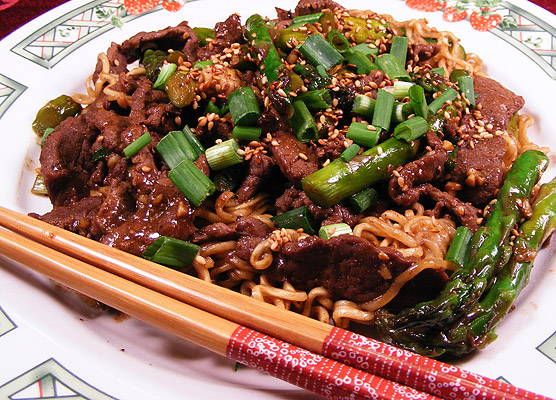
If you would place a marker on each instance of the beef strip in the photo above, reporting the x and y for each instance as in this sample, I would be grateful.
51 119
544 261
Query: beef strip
305 7
259 170
348 266
225 33
293 198
413 181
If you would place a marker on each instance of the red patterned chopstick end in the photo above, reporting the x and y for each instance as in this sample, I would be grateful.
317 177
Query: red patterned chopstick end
313 372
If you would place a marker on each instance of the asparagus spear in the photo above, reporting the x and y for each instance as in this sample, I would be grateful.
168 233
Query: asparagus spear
476 329
415 328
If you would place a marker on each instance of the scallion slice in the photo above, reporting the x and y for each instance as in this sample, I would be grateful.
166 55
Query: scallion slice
411 129
401 89
47 132
399 48
223 155
467 89
363 134
193 141
319 52
248 133
362 200
365 48
458 251
363 105
392 67
449 94
307 19
101 154
192 182
244 106
350 152
165 72
135 146
339 41
171 252
418 101
298 218
362 63
202 64
316 99
329 231
303 123
401 112
382 114
174 148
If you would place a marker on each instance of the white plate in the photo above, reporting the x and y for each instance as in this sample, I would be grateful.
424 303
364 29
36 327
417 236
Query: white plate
50 346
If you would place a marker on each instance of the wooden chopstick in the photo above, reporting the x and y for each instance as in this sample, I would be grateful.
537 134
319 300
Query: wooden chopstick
358 351
313 372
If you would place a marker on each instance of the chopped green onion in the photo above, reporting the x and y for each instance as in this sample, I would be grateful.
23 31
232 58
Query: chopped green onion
164 74
171 252
203 34
174 148
350 152
319 52
362 200
411 129
399 48
392 67
307 19
362 63
213 108
401 89
323 72
135 146
303 123
458 251
440 71
418 101
364 105
229 178
223 155
316 99
202 64
339 41
401 112
329 231
244 106
295 219
192 182
383 109
248 133
47 132
466 88
449 94
365 48
363 134
457 73
38 185
101 154
193 141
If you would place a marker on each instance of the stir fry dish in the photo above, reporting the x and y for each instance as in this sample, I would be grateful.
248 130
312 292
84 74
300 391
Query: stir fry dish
337 163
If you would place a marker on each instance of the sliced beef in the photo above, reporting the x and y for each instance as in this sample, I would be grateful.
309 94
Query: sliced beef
259 170
480 170
225 33
294 198
414 180
76 217
296 160
305 7
498 104
423 52
348 266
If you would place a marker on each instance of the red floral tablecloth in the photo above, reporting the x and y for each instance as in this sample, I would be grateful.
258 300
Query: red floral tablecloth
15 13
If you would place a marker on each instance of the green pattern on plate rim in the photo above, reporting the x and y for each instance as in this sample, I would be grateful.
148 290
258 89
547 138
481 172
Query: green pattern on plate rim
50 380
6 324
10 90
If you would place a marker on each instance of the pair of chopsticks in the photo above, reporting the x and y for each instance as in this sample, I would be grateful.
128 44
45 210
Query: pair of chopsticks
341 363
